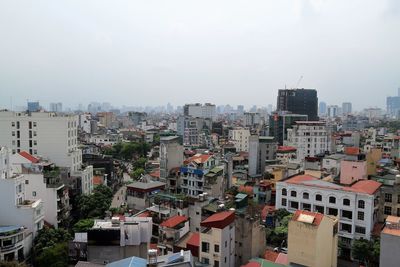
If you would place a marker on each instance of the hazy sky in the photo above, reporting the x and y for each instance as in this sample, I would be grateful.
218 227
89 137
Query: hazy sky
226 52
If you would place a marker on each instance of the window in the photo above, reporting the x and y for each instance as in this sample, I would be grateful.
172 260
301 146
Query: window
17 124
34 124
319 209
318 197
294 205
345 227
216 263
34 142
284 192
226 243
34 193
388 197
361 204
26 181
306 206
347 214
30 125
13 124
205 247
398 199
387 210
346 202
216 248
332 200
206 260
293 193
34 133
332 211
360 215
360 230
306 195
284 202
13 133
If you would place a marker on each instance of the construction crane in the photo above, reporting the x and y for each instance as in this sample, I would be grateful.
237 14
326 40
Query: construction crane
298 82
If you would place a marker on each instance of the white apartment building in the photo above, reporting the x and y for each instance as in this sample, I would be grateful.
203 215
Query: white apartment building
44 185
217 240
15 243
201 111
356 205
240 137
309 137
16 207
46 134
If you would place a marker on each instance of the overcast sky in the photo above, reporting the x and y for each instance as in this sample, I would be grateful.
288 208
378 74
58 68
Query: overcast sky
226 52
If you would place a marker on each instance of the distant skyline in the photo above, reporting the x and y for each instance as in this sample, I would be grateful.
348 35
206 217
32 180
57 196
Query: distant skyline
149 53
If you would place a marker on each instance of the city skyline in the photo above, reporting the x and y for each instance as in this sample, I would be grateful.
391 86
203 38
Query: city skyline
208 52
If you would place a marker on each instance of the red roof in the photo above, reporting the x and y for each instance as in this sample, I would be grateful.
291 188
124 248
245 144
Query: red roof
252 264
246 189
317 216
194 240
199 158
219 220
364 186
29 157
266 210
282 259
174 221
97 180
286 149
155 174
301 178
352 151
271 255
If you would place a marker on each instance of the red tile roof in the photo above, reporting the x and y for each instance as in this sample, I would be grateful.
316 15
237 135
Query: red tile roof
317 216
282 259
199 158
29 157
286 149
194 240
271 255
364 186
301 178
352 151
219 220
174 221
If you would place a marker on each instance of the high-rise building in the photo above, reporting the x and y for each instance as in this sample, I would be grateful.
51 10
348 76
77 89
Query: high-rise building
393 105
333 111
261 149
240 137
346 108
56 107
311 138
322 108
240 110
33 106
280 122
299 101
206 111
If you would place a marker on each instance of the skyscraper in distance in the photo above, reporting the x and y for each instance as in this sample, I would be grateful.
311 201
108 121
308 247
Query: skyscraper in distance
299 101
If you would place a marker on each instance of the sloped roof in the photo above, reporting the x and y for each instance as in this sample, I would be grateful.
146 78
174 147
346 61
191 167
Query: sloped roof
194 240
219 220
174 221
28 157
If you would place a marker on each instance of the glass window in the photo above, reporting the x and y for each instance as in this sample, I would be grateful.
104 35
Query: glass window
205 247
361 204
216 248
360 230
293 193
284 202
306 195
360 216
346 202
318 197
387 210
284 192
332 200
388 197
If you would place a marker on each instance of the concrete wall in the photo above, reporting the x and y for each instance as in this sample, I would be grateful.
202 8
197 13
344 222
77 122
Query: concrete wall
390 256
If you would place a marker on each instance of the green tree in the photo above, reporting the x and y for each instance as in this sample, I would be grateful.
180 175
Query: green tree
366 251
137 173
55 256
50 246
278 235
140 163
83 225
96 204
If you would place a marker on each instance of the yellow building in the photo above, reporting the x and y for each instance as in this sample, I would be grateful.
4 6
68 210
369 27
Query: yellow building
313 239
373 157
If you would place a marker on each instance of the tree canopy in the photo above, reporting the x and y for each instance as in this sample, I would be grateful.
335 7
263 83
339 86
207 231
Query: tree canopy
366 251
128 150
83 225
96 204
